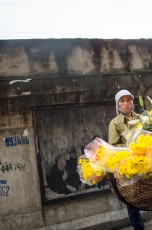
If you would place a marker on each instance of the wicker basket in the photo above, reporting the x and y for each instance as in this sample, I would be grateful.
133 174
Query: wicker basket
138 194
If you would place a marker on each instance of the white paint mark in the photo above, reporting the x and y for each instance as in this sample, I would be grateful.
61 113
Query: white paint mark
26 93
12 82
71 188
65 175
25 133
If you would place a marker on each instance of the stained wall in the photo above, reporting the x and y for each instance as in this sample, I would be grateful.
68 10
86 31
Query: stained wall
52 72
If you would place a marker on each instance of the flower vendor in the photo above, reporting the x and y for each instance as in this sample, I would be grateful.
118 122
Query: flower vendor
117 127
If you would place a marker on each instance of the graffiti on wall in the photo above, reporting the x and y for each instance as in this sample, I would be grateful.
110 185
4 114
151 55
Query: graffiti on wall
4 188
12 167
6 167
15 140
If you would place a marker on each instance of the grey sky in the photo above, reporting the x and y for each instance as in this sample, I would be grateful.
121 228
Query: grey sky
75 19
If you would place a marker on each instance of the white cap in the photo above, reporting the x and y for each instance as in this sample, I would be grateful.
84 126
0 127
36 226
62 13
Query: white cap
121 93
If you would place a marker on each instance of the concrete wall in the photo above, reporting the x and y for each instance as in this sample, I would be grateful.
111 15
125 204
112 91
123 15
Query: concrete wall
53 72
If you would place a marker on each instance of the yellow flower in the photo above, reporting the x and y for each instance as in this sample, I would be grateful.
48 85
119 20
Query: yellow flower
136 160
91 172
142 145
114 160
139 125
99 153
133 166
150 112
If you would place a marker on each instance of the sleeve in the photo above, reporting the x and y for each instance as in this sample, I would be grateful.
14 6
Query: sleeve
114 136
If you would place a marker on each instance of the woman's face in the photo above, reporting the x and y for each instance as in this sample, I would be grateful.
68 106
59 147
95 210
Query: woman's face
125 104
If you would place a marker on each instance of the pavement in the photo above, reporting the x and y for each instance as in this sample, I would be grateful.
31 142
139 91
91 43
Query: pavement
148 226
103 221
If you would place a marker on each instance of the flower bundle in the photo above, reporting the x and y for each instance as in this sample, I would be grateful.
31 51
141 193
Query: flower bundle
91 165
146 118
139 163
90 172
142 125
127 164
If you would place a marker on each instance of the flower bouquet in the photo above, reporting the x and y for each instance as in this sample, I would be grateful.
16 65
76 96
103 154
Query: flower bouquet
142 124
128 170
90 165
127 164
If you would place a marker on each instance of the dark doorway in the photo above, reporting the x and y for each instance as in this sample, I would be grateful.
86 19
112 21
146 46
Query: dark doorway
61 133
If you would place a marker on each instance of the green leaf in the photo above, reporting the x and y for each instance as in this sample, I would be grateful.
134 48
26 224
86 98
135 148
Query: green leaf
148 127
145 113
141 102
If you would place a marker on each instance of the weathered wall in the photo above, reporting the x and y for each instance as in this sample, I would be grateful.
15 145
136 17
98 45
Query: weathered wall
73 57
52 72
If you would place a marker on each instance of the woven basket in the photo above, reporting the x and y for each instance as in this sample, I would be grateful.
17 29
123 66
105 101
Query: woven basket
138 194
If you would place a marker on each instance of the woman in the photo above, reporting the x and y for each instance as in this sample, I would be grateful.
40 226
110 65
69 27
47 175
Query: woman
124 109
